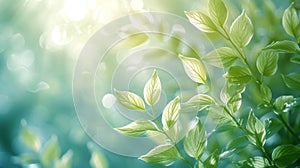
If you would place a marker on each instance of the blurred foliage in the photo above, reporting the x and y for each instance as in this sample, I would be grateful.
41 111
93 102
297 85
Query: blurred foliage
40 41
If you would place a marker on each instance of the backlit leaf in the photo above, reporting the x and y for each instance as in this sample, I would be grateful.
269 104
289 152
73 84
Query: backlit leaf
256 130
51 152
197 103
152 89
286 155
290 21
212 160
221 57
266 63
218 11
130 100
137 128
171 113
284 46
65 161
29 138
282 101
201 21
238 75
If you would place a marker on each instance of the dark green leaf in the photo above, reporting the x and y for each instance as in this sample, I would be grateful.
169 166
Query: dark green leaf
295 60
292 80
130 100
290 21
218 11
162 155
284 46
212 160
266 63
171 113
51 152
241 30
235 145
238 75
195 141
194 69
286 155
221 57
138 127
201 21
256 162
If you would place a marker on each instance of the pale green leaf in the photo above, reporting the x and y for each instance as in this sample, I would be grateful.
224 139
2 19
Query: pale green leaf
282 101
138 127
235 102
195 141
212 160
256 162
290 21
266 63
98 160
230 90
171 113
284 46
238 75
130 100
241 30
162 155
256 130
29 138
194 69
292 80
65 161
201 21
197 103
221 57
265 92
152 89
218 114
286 155
217 11
134 40
51 152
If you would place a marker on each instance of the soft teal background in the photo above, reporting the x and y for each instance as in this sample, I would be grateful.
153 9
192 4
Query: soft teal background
36 69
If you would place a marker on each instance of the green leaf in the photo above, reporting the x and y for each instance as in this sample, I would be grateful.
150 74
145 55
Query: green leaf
292 80
218 114
51 152
217 11
295 60
197 103
286 155
256 162
230 90
265 92
256 130
221 57
194 69
135 40
138 127
236 145
171 113
195 141
152 89
162 155
290 21
241 30
29 138
281 102
65 161
201 21
212 160
98 160
266 63
238 75
130 100
235 102
284 46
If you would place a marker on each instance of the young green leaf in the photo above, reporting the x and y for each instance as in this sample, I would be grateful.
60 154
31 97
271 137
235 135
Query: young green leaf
265 92
217 11
138 127
98 160
51 152
256 130
284 46
212 160
221 57
256 162
197 103
235 102
65 161
292 80
230 90
286 155
152 89
29 138
241 30
290 21
194 69
281 102
171 113
266 63
201 21
162 155
238 75
195 141
218 114
130 100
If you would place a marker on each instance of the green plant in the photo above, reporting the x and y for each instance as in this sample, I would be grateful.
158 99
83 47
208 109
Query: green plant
257 121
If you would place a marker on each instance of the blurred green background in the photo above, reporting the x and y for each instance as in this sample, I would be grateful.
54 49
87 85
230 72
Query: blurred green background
40 41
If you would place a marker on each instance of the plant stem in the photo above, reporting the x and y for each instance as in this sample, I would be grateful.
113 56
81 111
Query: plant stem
288 127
